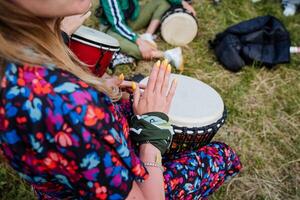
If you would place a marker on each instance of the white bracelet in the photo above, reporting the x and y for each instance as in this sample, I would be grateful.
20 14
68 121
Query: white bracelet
153 164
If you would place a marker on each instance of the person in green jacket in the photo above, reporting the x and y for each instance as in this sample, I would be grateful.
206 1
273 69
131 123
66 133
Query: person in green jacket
124 17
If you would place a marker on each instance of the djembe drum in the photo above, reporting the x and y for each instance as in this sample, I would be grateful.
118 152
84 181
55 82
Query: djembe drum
94 48
197 112
178 26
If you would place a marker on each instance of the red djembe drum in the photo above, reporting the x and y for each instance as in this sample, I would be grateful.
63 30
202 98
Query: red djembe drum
94 48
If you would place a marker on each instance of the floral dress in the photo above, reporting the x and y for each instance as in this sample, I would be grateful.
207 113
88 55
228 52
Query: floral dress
69 141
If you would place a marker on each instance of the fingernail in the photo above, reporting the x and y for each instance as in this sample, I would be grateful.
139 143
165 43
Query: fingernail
121 77
133 85
157 64
165 62
169 68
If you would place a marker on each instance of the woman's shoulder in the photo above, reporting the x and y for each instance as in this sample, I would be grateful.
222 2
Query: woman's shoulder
24 74
47 88
44 80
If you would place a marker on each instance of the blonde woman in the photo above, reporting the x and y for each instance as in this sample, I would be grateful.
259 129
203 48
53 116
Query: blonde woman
65 131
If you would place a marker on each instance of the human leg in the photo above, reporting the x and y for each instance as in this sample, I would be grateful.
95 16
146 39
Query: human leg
150 15
157 15
197 174
132 49
127 47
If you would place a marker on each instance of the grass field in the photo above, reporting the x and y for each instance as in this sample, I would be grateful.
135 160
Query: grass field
263 125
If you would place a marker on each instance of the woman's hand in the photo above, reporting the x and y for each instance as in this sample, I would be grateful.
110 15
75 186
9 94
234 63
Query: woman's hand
156 96
145 48
189 8
118 81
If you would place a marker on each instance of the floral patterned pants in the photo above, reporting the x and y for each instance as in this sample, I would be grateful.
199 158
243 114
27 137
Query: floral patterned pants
195 175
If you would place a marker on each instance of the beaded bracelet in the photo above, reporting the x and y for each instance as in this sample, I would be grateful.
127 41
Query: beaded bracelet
154 164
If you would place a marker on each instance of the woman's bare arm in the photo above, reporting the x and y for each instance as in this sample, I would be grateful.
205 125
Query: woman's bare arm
135 193
153 187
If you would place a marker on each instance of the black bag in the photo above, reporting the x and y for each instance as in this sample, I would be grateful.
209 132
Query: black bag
263 39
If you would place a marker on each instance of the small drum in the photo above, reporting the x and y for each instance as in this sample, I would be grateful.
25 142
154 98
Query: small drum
196 114
94 48
178 27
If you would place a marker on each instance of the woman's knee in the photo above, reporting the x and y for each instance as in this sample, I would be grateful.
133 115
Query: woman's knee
162 4
127 47
231 159
131 50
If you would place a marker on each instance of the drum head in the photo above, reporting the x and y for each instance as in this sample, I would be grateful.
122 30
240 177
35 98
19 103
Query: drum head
195 103
179 29
96 38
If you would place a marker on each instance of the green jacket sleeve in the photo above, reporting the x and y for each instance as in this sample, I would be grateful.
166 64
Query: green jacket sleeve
116 19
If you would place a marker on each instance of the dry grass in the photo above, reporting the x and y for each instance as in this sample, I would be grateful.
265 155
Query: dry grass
264 108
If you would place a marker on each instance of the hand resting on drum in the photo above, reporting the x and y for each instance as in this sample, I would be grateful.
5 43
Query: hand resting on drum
157 96
189 8
151 124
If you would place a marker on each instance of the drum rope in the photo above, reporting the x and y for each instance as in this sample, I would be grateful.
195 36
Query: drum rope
193 138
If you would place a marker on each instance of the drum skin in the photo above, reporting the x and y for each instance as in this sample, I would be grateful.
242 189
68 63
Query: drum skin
178 27
94 48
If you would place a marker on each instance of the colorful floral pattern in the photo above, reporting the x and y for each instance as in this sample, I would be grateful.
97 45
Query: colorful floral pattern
64 137
71 142
197 174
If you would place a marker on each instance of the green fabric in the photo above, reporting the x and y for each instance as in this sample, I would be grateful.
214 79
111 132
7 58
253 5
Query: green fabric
127 46
152 10
175 2
113 15
152 128
123 5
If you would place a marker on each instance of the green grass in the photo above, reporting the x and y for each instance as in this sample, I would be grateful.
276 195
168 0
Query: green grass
263 125
11 186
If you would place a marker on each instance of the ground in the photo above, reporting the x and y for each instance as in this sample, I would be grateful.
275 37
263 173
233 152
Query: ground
263 124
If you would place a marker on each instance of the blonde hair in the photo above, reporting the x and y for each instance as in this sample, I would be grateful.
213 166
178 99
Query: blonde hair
21 30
